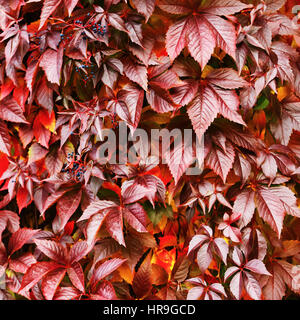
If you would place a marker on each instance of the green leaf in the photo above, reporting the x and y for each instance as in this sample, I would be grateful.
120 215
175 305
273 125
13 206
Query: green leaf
262 103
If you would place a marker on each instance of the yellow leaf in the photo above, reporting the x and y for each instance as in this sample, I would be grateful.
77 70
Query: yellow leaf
126 273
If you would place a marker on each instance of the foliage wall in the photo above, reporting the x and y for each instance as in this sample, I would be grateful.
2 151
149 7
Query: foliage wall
72 227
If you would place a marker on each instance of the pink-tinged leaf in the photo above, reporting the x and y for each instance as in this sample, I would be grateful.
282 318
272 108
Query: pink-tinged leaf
5 143
223 7
35 273
274 5
288 199
135 32
226 78
181 157
96 207
133 97
51 281
70 5
197 241
221 248
21 264
52 249
145 7
30 75
245 205
76 276
242 168
117 22
41 134
195 293
136 217
223 200
175 6
78 251
11 111
136 72
106 269
67 205
44 95
143 186
66 293
275 286
217 287
237 256
114 224
49 6
36 152
225 33
201 39
9 220
257 266
229 272
19 238
159 99
94 224
252 286
203 110
260 243
51 63
54 161
204 256
176 38
106 291
270 209
269 166
236 285
183 95
221 162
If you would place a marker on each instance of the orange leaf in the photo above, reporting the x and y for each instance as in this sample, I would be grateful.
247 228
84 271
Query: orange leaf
47 120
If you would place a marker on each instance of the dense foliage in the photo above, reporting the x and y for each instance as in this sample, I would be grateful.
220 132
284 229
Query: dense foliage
75 227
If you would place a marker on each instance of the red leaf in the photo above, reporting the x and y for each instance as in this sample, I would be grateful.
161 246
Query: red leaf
136 216
145 7
9 220
136 72
23 198
114 224
36 152
67 205
76 276
105 269
5 143
11 111
270 208
51 63
221 162
70 5
78 251
19 238
49 7
51 281
52 249
106 291
35 273
44 95
257 266
244 204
